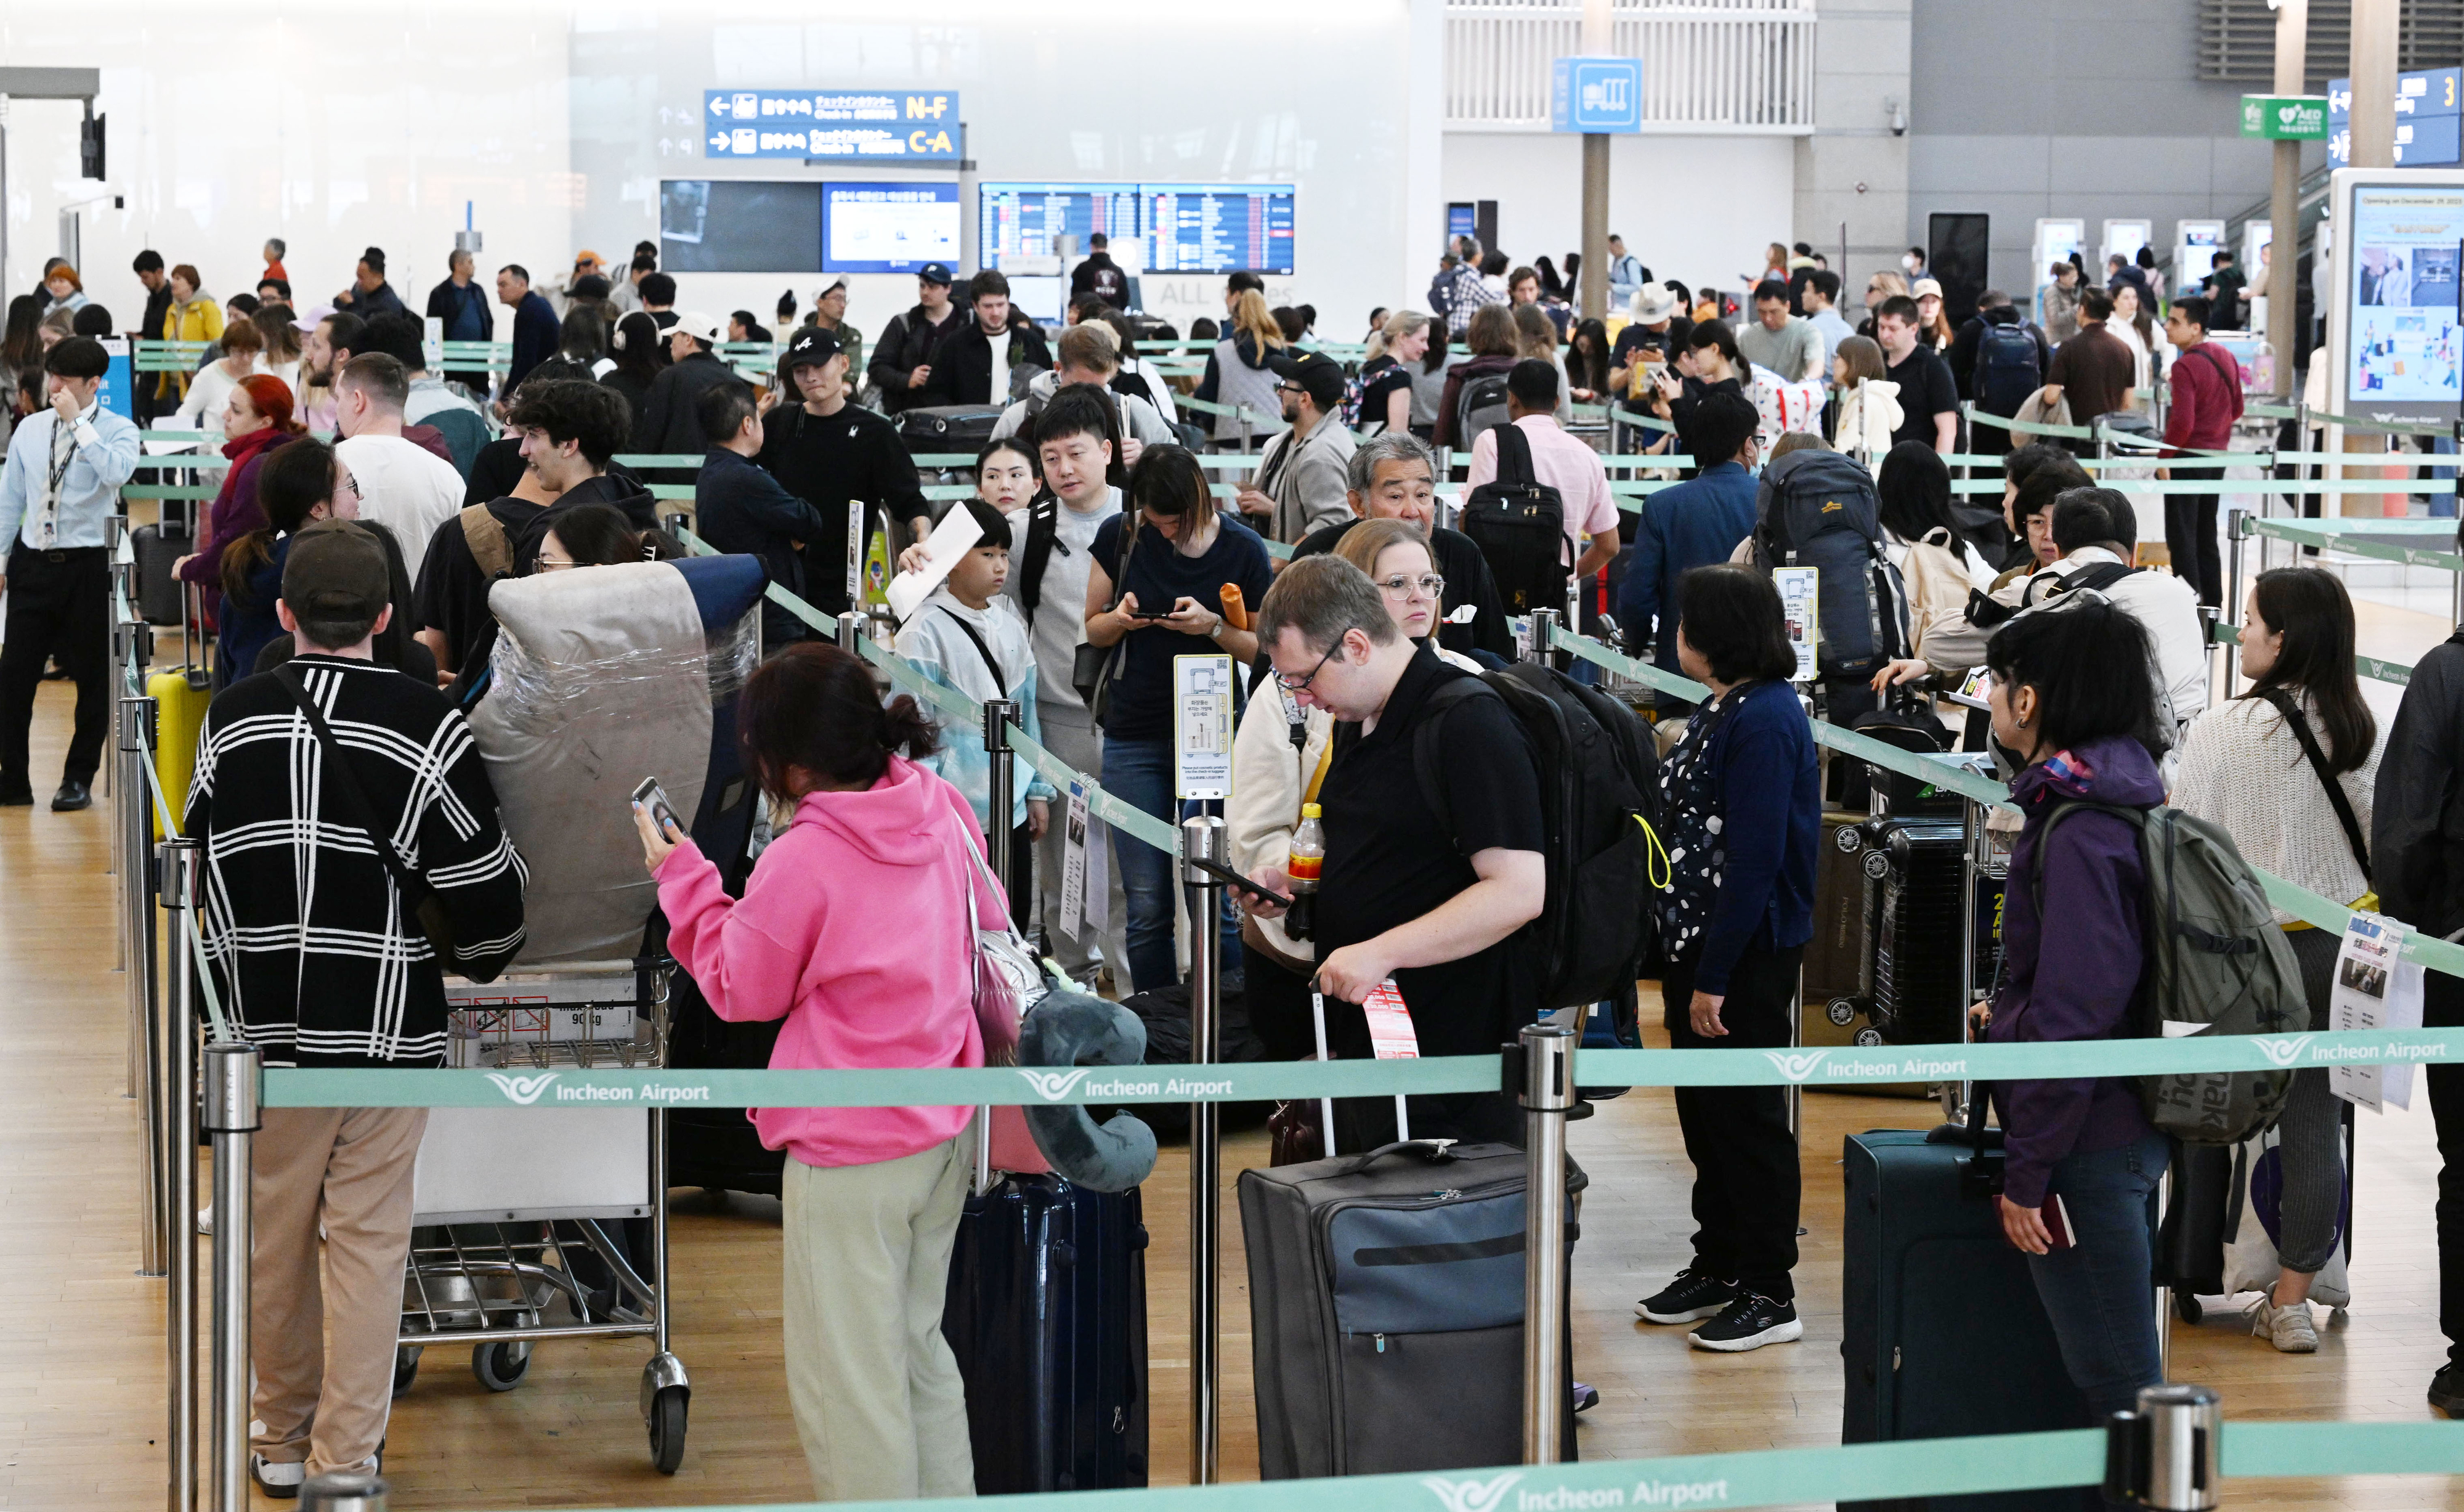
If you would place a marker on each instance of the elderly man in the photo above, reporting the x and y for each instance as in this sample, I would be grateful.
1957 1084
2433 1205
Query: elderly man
1394 476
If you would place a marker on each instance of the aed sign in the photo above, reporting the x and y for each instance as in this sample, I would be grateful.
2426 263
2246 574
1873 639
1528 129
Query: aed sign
1596 95
2284 117
905 126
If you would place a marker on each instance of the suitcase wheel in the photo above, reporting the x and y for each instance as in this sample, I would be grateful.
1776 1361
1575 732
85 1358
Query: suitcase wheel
1877 865
1869 1037
1841 1012
1848 839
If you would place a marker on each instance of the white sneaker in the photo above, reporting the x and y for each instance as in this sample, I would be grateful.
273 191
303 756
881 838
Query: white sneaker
206 1218
279 1482
2289 1327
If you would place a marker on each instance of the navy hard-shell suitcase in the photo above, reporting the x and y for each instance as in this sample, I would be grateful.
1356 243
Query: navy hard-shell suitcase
1943 1334
1046 1312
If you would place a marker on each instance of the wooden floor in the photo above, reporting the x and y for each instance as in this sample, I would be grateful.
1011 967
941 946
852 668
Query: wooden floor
81 1334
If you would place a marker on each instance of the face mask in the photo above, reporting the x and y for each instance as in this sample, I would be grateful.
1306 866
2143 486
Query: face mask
1908 262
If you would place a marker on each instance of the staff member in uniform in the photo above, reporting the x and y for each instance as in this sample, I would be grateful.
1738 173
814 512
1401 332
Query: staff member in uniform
829 452
1426 898
63 476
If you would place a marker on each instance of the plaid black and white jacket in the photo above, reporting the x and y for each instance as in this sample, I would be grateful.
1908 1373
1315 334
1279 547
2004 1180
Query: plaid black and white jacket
318 961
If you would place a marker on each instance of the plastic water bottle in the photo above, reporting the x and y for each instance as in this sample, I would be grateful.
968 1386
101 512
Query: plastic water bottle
1308 858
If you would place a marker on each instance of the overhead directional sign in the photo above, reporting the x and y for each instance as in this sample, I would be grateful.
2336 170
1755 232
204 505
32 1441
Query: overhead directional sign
902 125
1596 95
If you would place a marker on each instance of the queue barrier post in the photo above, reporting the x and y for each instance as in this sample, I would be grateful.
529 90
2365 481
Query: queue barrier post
1546 1052
850 631
345 1491
233 1085
998 854
136 920
2236 531
2166 1455
177 1118
1543 637
1203 838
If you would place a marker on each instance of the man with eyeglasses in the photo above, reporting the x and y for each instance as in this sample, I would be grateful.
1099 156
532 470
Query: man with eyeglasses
1394 476
1424 885
1301 476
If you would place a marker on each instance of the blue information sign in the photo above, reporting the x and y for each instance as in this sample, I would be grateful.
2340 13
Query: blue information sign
1596 95
2427 105
902 125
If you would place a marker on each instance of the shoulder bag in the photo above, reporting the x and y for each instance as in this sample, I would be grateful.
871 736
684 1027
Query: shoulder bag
1008 979
1091 674
418 896
2291 709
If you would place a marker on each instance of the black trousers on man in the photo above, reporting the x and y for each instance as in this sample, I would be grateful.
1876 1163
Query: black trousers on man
1746 1181
59 604
2190 534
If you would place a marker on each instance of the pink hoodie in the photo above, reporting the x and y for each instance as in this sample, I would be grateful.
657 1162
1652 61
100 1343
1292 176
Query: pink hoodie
854 929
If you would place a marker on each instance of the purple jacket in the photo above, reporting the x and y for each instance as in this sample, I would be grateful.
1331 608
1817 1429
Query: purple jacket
2091 935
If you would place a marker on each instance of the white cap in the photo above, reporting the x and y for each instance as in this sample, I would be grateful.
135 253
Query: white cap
693 323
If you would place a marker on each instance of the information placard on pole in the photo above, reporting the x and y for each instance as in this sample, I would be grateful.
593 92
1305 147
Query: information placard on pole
1801 601
1201 727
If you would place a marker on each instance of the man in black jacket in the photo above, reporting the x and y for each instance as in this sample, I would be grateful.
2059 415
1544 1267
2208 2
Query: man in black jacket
462 305
671 419
902 358
1100 276
741 508
834 455
568 429
2417 857
1394 477
974 362
370 295
534 323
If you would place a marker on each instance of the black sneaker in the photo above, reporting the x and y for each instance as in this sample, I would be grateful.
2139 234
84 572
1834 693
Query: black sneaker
2447 1389
1586 1397
1694 1293
1750 1322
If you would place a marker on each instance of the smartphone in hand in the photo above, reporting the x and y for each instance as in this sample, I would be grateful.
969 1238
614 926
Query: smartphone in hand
654 798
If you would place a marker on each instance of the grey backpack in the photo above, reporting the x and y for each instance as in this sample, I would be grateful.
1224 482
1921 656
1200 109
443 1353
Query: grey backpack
2217 964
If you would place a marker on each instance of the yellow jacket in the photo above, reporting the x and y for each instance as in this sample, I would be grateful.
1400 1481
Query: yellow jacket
200 319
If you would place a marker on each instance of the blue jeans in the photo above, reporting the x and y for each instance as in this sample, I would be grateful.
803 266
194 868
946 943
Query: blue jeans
2101 1292
1139 774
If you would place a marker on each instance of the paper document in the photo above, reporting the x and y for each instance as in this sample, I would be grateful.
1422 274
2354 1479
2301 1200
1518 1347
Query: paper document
2373 989
952 539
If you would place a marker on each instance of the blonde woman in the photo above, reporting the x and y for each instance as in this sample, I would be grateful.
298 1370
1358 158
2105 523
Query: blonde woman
1878 288
1869 403
1535 336
1382 393
1237 372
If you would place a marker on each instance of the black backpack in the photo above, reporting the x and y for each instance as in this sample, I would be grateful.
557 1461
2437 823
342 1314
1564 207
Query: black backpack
1043 528
1478 409
1818 509
1599 803
2008 368
1519 524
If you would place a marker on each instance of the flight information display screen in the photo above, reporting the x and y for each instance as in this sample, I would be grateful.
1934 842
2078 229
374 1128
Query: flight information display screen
1014 219
1218 227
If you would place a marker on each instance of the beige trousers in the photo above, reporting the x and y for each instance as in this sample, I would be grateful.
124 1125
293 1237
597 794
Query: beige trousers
875 1391
324 1375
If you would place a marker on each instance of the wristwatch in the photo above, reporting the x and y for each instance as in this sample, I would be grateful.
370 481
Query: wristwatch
1217 633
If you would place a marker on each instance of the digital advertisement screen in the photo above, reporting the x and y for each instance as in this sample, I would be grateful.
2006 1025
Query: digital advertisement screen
739 226
1015 219
2399 251
1218 227
888 228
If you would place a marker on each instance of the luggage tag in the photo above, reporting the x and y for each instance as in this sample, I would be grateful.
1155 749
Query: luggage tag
1392 1038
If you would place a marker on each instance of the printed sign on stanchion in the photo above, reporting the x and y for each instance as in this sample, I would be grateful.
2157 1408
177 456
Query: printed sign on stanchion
1800 594
856 552
2374 988
1201 727
1392 1038
1073 863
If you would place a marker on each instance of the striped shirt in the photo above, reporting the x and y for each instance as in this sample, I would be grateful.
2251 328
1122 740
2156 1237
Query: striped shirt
317 960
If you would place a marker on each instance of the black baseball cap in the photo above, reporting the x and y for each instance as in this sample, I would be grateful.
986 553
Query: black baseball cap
935 272
336 572
812 347
1320 377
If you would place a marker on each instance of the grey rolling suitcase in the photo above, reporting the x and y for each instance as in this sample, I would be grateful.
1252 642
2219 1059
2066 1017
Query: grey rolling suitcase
1386 1310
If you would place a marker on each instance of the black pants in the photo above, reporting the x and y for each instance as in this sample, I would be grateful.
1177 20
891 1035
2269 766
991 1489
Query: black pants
2191 536
59 604
1277 1001
2442 1007
1746 1184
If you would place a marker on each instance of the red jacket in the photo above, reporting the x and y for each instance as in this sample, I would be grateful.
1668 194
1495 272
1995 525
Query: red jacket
2206 399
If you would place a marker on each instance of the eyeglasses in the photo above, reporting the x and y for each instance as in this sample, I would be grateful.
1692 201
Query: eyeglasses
1400 589
1292 684
544 562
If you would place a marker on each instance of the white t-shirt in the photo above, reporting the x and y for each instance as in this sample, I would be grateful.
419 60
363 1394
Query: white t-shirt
1001 369
1060 624
404 487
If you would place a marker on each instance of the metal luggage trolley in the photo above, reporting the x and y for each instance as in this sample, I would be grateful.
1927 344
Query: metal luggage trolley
510 1207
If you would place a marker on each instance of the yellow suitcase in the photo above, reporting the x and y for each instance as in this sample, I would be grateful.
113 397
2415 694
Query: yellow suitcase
180 697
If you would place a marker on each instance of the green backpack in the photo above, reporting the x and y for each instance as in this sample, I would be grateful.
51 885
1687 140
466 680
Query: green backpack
2217 964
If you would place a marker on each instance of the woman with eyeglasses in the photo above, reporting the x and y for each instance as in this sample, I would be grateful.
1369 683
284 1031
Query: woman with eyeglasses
1155 591
1277 764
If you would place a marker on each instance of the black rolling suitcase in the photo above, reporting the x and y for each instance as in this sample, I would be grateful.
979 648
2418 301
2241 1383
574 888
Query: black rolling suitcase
1944 1335
1386 1310
1165 1013
156 548
1046 1312
948 427
1911 988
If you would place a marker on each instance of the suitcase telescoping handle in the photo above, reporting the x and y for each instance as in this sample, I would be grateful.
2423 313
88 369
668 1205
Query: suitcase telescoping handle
1980 1175
1433 1151
192 634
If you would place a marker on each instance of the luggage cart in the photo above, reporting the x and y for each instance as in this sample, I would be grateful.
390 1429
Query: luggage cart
498 1243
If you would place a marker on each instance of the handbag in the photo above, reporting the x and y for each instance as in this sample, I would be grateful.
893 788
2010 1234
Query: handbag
1007 980
2285 705
1092 670
417 895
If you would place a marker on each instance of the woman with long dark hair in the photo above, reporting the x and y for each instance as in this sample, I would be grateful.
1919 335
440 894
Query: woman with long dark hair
2070 698
2287 769
1743 795
638 350
298 482
856 929
1587 361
